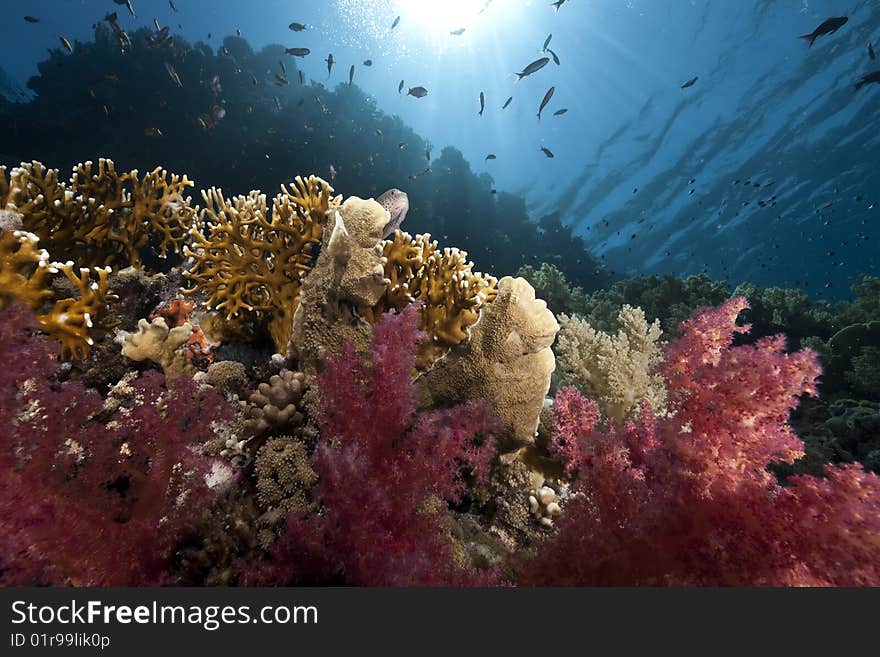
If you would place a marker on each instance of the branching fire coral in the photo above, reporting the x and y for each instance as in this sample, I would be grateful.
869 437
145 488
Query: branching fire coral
87 499
687 499
101 217
250 259
450 292
25 277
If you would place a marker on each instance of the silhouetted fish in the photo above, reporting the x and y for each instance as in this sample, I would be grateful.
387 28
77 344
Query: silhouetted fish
297 52
418 92
555 58
395 23
482 102
507 102
546 99
829 26
66 44
557 4
535 66
691 82
172 5
329 61
491 156
458 32
871 78
400 87
32 19
546 42
560 112
297 27
547 151
351 74
368 62
871 52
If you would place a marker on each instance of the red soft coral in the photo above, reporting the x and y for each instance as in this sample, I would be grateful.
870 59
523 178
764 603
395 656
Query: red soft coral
84 500
385 474
687 499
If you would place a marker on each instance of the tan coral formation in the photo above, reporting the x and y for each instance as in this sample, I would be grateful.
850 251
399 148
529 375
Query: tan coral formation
250 259
348 274
450 292
276 405
618 371
25 277
156 342
100 216
507 361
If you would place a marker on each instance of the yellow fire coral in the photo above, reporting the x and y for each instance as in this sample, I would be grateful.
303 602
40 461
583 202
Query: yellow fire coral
101 216
617 371
25 273
443 280
248 259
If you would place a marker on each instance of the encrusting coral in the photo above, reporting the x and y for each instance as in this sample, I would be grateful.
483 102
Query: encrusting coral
507 361
443 281
250 259
100 216
618 371
348 274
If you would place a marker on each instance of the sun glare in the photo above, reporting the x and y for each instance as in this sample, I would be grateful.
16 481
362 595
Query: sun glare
445 15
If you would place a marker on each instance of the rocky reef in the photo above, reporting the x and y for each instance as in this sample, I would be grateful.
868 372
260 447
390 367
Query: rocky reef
246 392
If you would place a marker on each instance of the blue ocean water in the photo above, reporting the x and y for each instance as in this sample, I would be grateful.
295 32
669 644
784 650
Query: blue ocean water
764 170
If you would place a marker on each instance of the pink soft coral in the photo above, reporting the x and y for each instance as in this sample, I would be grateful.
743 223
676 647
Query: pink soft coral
386 473
85 501
687 499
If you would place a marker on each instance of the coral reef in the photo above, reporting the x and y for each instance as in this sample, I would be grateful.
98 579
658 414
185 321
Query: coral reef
618 371
348 274
687 499
277 405
507 361
101 217
156 342
250 259
450 294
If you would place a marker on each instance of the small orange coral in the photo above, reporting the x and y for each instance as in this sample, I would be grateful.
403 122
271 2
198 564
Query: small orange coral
248 258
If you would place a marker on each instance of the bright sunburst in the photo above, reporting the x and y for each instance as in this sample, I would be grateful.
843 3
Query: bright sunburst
445 15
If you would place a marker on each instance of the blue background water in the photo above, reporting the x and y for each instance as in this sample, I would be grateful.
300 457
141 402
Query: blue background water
782 150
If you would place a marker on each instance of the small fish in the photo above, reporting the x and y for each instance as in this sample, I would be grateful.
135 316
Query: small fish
32 19
828 26
535 66
368 62
254 79
160 38
482 103
871 78
418 92
379 133
127 3
66 44
560 112
214 85
351 74
421 173
691 82
395 23
400 87
546 42
297 27
458 32
277 103
491 156
297 52
302 78
547 152
557 4
401 145
555 58
156 23
871 52
329 61
507 102
173 6
283 69
332 173
280 80
237 32
546 99
428 152
152 132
